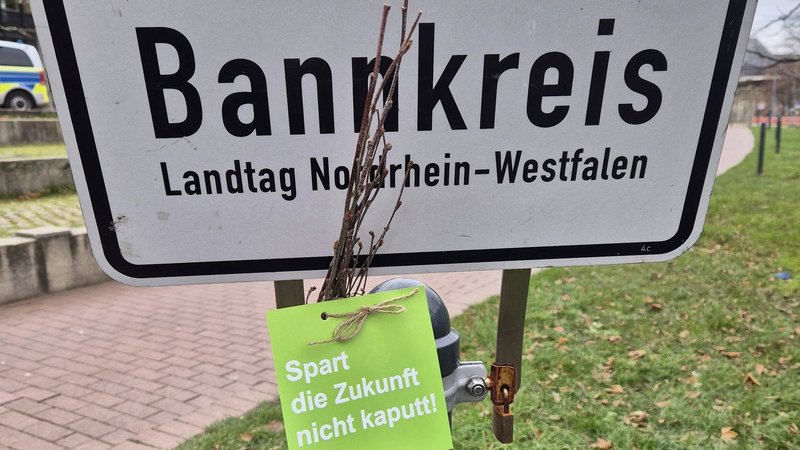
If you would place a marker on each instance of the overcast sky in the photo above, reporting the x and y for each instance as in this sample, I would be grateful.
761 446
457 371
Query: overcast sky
768 10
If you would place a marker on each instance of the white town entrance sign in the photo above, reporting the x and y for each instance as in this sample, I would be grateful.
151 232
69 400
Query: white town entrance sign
213 142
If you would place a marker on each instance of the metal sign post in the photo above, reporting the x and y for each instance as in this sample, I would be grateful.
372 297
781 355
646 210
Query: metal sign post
289 293
511 320
507 369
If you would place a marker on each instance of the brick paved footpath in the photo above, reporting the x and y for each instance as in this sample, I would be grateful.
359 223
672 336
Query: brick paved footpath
112 366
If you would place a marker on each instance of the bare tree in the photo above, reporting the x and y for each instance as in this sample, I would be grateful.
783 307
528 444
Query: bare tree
789 24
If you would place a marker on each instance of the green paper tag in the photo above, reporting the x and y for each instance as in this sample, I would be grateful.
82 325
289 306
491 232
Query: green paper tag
380 390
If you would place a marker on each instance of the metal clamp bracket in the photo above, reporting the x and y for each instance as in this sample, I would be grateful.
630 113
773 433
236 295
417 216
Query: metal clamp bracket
466 384
502 388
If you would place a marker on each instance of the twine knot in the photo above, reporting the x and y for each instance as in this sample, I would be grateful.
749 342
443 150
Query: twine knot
354 321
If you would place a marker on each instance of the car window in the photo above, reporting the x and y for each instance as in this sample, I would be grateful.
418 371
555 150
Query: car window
14 57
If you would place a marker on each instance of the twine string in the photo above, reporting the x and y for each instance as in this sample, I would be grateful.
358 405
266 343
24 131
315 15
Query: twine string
354 321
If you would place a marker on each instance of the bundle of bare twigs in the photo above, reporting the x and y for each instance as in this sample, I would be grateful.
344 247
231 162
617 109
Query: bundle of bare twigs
348 270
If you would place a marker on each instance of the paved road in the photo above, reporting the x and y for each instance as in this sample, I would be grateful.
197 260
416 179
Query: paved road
111 366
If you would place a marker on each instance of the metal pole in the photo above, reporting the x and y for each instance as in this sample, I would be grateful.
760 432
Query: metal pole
778 136
511 320
289 293
773 103
508 358
762 139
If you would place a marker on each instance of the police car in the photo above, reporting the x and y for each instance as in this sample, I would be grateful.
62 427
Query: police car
22 79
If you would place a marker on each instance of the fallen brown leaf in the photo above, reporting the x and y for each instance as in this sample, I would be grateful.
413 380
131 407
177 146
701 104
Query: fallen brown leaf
653 304
614 339
793 429
728 435
636 354
693 394
750 380
732 355
616 389
558 329
760 369
274 426
602 444
684 334
637 418
663 404
246 437
601 374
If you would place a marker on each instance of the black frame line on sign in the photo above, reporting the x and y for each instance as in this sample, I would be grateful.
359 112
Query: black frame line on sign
70 76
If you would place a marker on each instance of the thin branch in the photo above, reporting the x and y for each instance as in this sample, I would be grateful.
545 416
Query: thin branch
310 291
349 265
781 18
774 60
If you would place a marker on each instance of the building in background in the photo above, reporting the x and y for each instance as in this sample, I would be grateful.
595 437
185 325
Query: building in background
16 22
769 86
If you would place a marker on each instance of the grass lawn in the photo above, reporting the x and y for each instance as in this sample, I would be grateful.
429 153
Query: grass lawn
701 352
41 150
57 207
52 207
